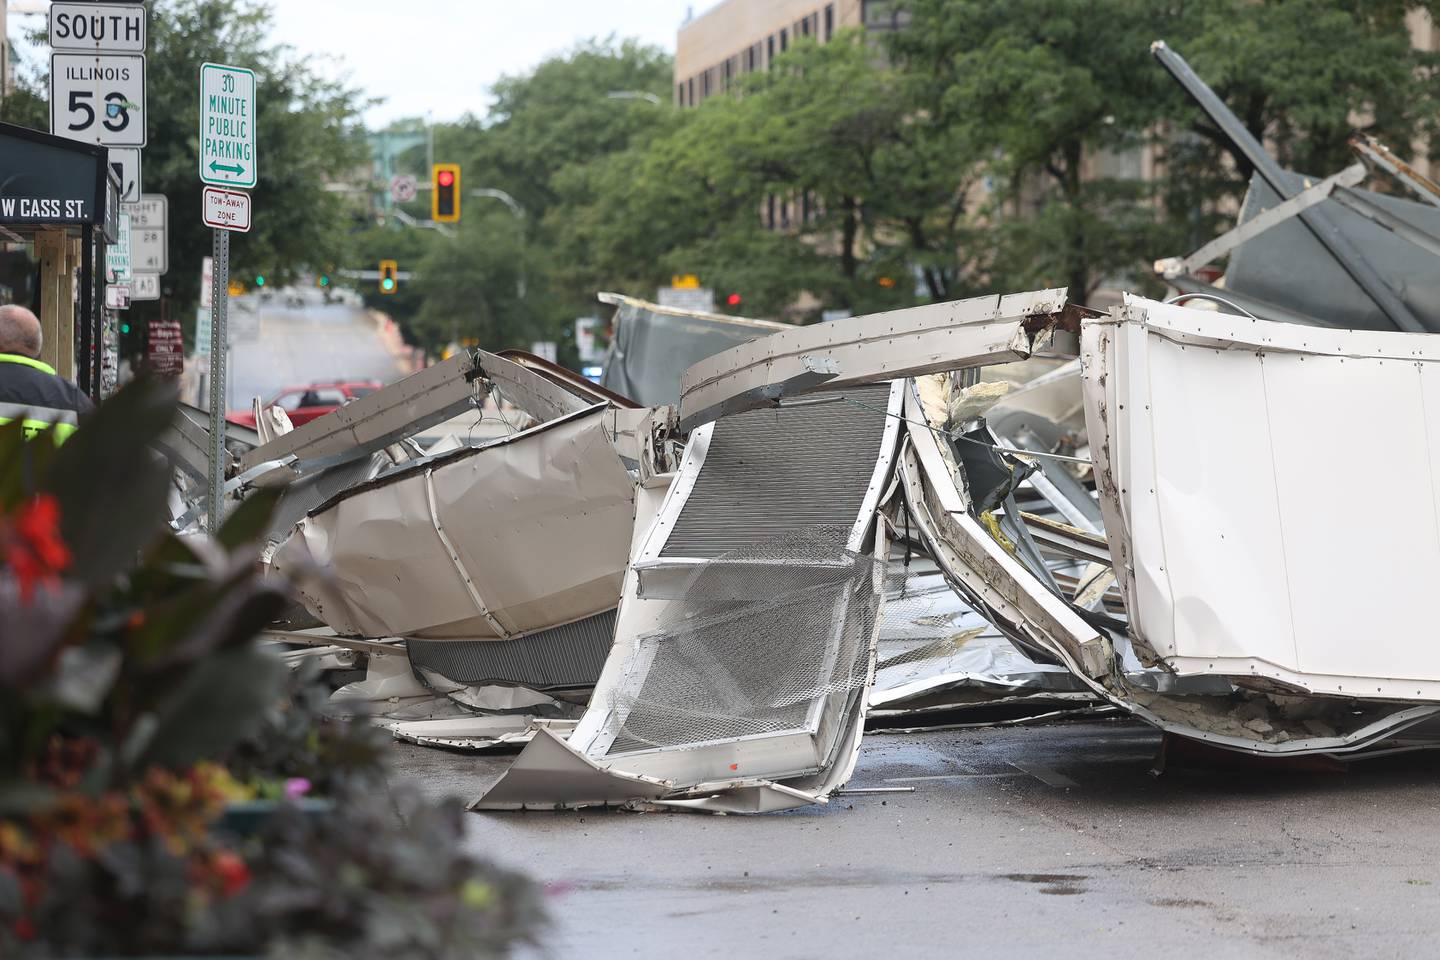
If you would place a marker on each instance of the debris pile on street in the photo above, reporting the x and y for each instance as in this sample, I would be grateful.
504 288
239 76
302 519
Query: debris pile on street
696 595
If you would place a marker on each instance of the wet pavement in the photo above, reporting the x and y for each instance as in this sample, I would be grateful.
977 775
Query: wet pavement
1016 842
282 342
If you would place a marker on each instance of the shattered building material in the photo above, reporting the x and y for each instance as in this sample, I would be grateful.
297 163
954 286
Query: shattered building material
1374 152
1220 512
371 423
492 542
745 643
652 345
855 350
1394 311
1289 267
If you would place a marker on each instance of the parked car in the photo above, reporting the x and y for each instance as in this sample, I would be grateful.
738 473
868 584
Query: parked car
303 404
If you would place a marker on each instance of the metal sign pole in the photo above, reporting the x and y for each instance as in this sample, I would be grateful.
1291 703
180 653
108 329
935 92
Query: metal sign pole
219 294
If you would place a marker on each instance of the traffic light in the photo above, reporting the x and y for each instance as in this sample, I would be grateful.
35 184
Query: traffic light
260 280
733 300
389 282
322 281
445 192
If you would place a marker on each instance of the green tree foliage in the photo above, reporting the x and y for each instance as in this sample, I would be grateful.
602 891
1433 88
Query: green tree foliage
308 135
541 125
307 132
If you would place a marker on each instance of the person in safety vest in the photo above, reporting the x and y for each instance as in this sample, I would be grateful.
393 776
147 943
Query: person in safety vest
30 391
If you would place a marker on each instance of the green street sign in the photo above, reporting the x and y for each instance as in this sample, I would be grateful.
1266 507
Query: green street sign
227 126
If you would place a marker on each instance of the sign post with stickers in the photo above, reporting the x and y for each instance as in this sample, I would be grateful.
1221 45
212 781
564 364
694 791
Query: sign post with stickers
227 160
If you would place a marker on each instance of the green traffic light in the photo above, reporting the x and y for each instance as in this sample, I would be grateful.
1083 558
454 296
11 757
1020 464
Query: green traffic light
324 281
260 280
388 283
124 328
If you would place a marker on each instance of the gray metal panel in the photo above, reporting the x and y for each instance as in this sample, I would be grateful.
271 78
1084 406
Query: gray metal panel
567 656
307 493
769 472
1288 267
653 347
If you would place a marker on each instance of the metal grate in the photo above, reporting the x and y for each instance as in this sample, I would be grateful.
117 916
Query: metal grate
561 657
769 472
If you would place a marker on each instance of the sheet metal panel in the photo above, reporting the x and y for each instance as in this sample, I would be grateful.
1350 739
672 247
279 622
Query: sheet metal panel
1278 488
1289 267
539 524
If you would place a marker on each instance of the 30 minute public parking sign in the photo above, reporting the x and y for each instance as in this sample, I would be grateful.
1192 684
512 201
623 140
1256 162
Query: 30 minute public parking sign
227 125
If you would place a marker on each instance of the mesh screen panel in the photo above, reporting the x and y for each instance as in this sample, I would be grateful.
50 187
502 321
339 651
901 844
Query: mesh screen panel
567 656
721 668
784 469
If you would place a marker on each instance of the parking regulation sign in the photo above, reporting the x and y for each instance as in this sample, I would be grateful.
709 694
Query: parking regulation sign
227 125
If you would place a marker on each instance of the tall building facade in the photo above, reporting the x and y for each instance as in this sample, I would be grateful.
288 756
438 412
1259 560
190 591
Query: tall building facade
736 37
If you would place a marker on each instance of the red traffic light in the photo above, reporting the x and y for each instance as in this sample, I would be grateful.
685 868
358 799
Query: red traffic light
445 178
733 300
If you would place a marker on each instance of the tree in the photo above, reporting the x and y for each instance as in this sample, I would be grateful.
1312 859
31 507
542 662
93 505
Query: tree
1301 76
308 134
483 283
1048 87
823 176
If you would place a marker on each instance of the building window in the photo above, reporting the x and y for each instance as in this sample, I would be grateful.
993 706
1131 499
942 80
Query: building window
690 88
829 20
784 41
770 211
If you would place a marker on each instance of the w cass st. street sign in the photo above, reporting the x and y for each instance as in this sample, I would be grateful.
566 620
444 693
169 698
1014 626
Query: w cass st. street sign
227 125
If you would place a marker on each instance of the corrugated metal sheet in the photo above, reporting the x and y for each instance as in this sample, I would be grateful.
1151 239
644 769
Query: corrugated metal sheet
567 656
771 472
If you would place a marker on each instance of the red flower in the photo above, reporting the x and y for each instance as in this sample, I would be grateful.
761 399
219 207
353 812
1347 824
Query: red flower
231 871
33 548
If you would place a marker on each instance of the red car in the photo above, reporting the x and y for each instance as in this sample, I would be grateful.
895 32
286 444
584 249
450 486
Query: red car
303 404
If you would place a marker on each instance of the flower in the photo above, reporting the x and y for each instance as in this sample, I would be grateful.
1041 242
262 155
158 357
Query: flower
232 872
32 545
296 787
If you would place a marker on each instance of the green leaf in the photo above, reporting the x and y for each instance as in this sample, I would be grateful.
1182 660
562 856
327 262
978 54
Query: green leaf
248 522
217 703
110 483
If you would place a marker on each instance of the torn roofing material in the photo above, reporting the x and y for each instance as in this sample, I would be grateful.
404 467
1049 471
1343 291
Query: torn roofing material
1288 267
742 660
855 350
527 533
1342 250
652 345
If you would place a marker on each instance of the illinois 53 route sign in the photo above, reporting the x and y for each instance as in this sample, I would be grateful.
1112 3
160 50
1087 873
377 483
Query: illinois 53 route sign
227 125
98 98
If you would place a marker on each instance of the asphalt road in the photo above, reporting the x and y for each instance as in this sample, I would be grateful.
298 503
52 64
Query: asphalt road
1017 842
275 346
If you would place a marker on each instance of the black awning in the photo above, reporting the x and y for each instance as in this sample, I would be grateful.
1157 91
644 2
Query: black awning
49 181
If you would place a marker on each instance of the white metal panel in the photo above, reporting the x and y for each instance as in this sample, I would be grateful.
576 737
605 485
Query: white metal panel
1216 542
1356 497
1277 486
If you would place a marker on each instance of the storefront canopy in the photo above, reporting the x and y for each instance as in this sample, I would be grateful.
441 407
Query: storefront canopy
49 182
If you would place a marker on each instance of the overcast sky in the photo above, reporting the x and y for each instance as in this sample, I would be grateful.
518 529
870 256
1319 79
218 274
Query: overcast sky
441 56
